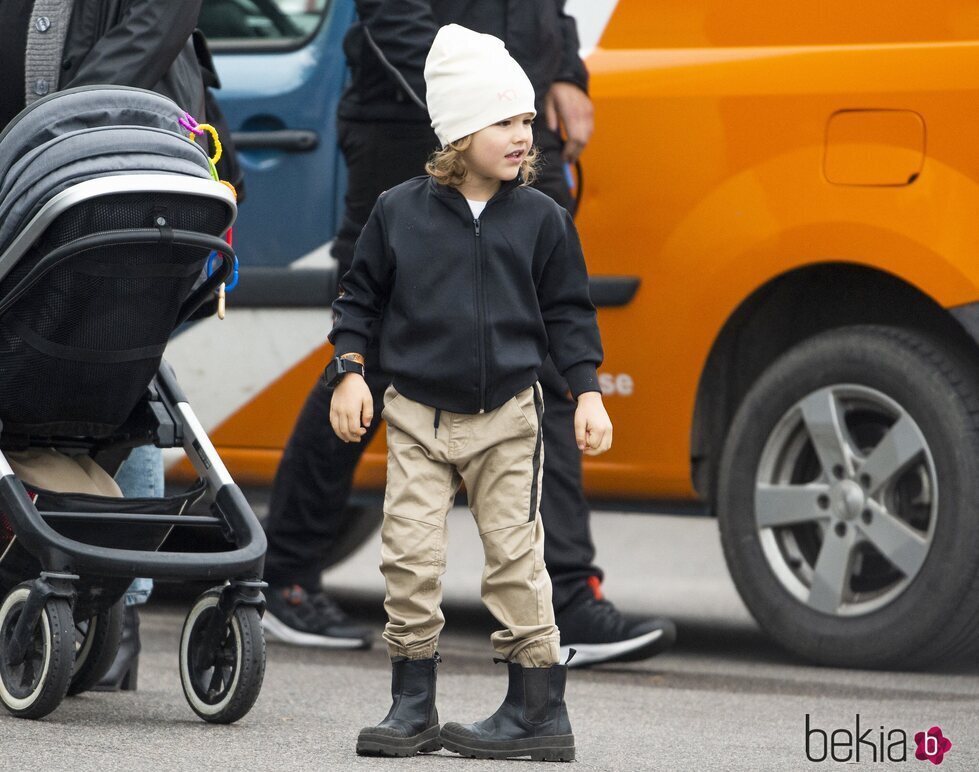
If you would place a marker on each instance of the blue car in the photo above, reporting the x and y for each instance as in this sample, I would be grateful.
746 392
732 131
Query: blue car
282 70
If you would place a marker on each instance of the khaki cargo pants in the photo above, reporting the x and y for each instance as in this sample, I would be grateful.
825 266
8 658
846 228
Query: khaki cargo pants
499 456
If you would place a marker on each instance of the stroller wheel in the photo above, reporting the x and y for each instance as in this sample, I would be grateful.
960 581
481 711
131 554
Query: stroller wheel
36 686
222 686
96 645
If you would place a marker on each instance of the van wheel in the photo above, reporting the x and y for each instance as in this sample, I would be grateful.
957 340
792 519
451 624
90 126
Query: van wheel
847 499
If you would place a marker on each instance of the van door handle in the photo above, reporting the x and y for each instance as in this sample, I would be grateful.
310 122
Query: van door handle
288 140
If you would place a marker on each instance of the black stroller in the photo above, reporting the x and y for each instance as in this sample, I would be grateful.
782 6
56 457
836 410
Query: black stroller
108 217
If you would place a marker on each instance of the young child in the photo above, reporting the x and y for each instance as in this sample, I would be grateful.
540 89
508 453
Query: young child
470 278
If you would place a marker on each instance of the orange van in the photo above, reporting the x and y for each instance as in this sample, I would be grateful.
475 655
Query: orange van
779 216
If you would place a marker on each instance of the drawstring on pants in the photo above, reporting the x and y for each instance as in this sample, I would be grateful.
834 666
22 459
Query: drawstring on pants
438 417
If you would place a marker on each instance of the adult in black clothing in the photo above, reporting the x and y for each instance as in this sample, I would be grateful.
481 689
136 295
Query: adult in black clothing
13 46
140 43
386 138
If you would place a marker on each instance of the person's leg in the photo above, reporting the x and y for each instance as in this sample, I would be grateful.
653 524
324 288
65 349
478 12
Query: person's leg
312 484
420 491
568 546
421 487
503 472
141 474
308 513
503 475
589 623
139 477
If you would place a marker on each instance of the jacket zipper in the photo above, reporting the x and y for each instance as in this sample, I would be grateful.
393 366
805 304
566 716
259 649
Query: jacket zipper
480 322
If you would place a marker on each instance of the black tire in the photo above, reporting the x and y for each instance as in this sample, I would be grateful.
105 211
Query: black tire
223 697
893 577
97 642
38 685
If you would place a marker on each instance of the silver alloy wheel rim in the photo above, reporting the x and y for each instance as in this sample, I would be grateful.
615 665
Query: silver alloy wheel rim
846 500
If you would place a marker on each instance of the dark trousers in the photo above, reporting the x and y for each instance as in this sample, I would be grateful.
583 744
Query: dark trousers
308 515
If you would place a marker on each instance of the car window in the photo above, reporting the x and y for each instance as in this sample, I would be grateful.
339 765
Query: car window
260 23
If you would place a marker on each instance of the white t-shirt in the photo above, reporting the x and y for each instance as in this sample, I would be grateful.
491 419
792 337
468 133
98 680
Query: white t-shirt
477 207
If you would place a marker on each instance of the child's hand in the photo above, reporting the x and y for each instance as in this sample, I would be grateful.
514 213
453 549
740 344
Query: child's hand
352 408
592 426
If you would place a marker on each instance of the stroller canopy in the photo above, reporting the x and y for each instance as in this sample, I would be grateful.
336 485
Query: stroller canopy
108 213
80 134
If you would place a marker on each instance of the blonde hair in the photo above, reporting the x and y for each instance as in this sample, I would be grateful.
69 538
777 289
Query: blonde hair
448 167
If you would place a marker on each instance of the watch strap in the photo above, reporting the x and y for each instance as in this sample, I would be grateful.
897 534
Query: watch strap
338 367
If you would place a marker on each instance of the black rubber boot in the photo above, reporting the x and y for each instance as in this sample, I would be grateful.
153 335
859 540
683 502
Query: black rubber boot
412 724
122 674
532 721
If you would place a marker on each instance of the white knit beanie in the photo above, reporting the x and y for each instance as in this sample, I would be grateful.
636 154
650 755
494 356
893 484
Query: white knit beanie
472 82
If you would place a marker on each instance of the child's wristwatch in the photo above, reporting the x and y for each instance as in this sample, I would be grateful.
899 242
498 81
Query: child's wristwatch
340 366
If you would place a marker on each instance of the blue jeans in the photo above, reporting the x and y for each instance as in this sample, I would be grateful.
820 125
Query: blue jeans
141 476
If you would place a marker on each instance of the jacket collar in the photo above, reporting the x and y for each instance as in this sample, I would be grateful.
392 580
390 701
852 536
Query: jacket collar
453 199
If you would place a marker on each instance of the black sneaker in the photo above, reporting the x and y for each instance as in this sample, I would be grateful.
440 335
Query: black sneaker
311 619
598 632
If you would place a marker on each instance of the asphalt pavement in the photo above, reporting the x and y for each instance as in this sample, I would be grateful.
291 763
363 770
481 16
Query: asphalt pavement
725 698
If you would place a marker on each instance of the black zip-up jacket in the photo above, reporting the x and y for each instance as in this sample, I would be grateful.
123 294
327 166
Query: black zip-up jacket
467 310
537 33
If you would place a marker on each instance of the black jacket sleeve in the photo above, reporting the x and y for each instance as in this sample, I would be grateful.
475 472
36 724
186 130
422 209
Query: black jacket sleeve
572 70
140 49
569 316
364 289
404 31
